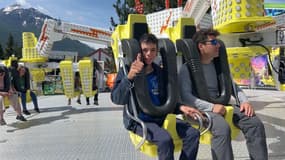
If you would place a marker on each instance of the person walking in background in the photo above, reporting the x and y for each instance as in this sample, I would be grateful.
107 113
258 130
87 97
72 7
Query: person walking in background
6 90
22 86
77 88
96 68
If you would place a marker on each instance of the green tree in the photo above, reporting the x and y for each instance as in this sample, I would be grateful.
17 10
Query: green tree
18 51
122 10
12 48
1 52
110 63
151 6
9 50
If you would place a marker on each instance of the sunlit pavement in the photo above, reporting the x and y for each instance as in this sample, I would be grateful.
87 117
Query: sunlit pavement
81 132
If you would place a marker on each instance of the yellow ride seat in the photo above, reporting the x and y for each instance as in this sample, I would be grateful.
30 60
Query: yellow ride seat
206 138
7 102
169 124
149 148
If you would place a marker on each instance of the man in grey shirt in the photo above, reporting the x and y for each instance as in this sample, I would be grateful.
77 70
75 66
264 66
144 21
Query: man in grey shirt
244 116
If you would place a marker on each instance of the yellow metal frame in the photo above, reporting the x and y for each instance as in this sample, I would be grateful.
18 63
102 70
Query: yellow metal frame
67 75
125 32
239 16
29 50
239 61
206 138
248 24
176 32
86 76
7 102
169 124
149 148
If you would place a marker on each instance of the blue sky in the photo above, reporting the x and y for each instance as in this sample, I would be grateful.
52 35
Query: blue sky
95 13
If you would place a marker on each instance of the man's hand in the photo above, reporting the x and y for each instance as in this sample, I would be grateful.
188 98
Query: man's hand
219 109
136 67
247 109
4 94
190 111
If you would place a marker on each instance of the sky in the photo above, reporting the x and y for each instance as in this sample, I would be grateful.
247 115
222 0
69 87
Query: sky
95 13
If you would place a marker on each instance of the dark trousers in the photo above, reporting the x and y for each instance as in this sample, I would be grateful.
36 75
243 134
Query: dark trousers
24 100
95 98
252 128
164 142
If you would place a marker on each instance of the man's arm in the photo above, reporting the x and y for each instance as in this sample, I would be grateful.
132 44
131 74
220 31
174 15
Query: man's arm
121 92
187 97
245 106
240 94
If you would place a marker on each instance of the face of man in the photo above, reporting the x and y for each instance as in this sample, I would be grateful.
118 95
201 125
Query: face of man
209 48
149 52
22 71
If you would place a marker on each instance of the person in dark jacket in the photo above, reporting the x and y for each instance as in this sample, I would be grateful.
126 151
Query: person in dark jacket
157 90
22 86
7 91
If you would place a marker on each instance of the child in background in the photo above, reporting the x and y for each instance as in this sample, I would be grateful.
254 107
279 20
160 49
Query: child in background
77 88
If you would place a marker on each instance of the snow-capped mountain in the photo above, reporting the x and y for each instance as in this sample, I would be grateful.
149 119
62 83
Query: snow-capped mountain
11 8
15 19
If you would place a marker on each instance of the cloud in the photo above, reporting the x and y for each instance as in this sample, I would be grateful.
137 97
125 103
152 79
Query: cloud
22 2
43 10
69 13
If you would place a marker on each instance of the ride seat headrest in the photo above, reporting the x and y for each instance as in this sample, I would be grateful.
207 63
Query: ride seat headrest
188 31
139 29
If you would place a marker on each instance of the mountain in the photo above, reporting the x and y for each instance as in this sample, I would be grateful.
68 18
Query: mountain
14 19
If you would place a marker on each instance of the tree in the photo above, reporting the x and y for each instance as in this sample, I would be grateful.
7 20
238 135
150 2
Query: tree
18 51
12 48
151 6
122 10
110 63
9 50
1 52
128 7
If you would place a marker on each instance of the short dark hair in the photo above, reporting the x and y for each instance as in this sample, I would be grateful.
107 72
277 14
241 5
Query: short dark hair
149 38
14 63
202 35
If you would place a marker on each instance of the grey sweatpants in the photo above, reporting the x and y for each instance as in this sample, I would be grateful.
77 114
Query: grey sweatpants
251 127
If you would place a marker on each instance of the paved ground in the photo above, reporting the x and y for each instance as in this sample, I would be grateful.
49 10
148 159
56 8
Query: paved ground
83 132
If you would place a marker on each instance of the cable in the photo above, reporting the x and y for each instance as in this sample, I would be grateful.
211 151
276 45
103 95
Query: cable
255 43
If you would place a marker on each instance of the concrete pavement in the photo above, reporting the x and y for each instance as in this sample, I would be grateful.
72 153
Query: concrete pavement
81 132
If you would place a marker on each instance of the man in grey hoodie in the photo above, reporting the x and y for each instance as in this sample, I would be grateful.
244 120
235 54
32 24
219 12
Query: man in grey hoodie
244 117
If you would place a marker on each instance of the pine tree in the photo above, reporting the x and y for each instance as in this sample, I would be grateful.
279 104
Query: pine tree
9 50
122 10
12 48
1 52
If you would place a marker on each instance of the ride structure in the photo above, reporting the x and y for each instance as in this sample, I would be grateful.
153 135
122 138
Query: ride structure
244 30
36 53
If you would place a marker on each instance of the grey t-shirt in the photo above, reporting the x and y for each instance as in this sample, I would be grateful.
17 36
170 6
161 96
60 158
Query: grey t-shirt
186 91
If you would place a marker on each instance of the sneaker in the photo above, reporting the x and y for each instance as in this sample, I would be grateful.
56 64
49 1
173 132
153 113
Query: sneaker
37 110
21 118
2 122
78 101
96 103
26 112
